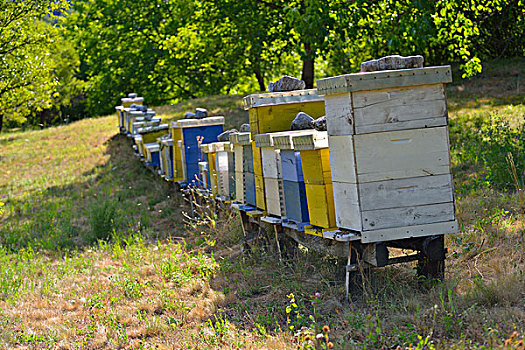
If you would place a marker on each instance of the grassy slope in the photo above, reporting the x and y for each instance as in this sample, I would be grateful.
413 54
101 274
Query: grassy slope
65 188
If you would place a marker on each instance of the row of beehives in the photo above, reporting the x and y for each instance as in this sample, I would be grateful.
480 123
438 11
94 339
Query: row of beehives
380 172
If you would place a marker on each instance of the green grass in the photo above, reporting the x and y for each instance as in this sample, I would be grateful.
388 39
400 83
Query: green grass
95 252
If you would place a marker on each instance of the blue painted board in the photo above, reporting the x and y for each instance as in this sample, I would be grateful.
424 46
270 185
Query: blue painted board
291 165
295 201
192 152
249 189
170 162
247 158
155 159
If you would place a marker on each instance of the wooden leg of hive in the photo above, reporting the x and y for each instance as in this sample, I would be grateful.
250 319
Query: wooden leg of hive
277 242
348 271
431 264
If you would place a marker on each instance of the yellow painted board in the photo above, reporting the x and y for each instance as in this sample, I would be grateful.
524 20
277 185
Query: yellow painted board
254 126
320 200
316 166
128 104
257 160
260 200
279 117
213 173
178 172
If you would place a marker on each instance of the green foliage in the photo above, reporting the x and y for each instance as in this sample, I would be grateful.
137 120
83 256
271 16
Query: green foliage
102 217
28 83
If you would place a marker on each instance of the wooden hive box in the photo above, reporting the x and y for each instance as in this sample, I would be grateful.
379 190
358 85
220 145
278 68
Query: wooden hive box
133 116
293 181
121 119
272 174
138 146
315 163
242 144
150 134
389 152
166 157
128 101
210 151
203 178
193 133
224 165
152 154
178 150
274 112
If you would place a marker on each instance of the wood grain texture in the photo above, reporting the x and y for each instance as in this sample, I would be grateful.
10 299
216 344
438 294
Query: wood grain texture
271 162
408 216
260 198
406 192
401 154
394 109
316 166
342 162
391 234
346 206
339 114
274 200
321 210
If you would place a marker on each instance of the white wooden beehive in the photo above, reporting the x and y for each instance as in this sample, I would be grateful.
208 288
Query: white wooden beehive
389 152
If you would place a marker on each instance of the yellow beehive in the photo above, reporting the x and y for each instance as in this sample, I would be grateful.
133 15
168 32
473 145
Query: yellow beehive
176 135
274 112
210 151
315 163
150 134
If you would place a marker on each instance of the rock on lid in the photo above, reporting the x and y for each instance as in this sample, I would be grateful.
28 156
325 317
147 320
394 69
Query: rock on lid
392 62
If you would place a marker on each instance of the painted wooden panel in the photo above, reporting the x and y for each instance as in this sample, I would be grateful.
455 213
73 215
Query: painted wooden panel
271 160
342 159
339 114
254 125
316 167
321 210
274 200
279 117
295 201
213 173
346 204
291 165
260 199
402 154
408 216
239 186
406 192
257 160
247 158
176 135
231 175
390 234
391 109
239 164
223 185
249 189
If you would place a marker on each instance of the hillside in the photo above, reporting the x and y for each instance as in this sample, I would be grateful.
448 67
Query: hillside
96 252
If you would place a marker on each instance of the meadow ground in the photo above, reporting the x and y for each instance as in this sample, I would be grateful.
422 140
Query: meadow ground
96 252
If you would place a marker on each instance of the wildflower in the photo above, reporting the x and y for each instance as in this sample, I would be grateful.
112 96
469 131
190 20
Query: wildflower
326 329
307 337
317 294
329 345
514 335
319 336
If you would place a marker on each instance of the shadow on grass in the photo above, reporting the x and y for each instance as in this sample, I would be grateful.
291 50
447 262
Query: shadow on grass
116 196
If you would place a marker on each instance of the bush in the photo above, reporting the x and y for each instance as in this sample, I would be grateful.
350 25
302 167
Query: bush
102 218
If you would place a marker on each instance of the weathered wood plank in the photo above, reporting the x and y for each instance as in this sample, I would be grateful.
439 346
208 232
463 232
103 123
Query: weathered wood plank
342 162
401 154
339 114
273 196
346 205
391 234
406 192
408 216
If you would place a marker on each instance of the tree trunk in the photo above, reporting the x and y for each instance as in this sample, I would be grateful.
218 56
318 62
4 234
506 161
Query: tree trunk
308 67
260 79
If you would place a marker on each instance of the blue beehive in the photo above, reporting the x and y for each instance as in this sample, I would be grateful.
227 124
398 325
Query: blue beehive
194 133
293 181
